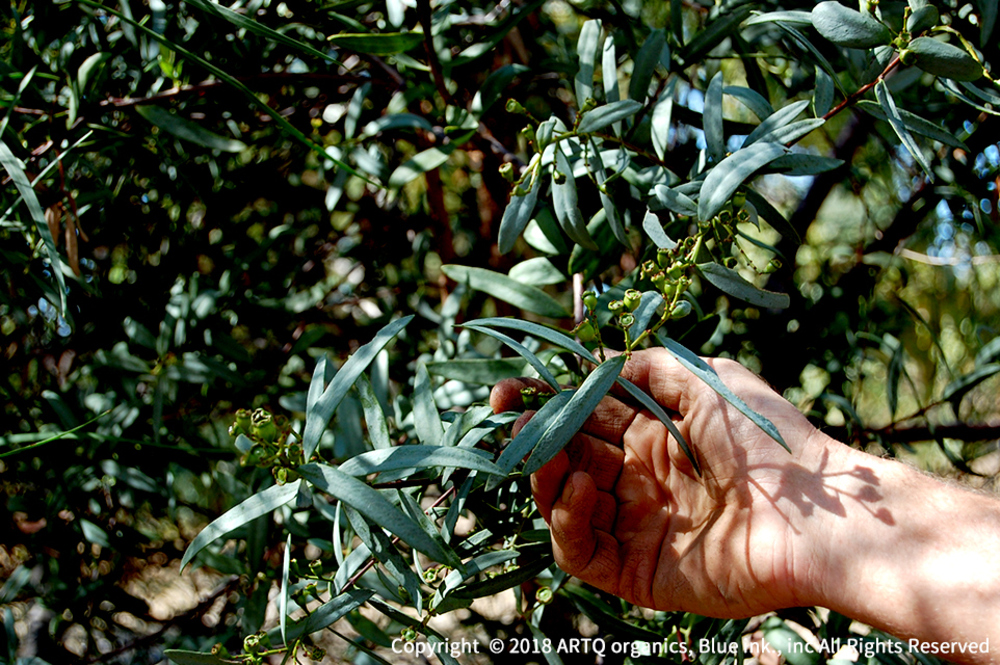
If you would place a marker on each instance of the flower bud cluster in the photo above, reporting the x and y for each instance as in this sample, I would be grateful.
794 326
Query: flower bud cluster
272 446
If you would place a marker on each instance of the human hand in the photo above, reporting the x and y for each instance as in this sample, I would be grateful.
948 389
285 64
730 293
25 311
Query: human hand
629 514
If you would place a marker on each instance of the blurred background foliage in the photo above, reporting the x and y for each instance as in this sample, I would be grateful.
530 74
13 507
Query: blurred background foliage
216 184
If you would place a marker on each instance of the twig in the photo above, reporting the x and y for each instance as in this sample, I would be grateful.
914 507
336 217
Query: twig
427 23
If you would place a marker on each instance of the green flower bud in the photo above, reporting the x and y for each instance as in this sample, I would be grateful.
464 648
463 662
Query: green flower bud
264 426
544 595
430 575
589 300
280 474
616 306
243 421
907 57
632 299
528 133
514 106
739 199
626 321
254 456
507 172
680 309
250 643
316 653
772 266
409 634
660 281
588 105
663 258
220 651
649 267
675 271
585 331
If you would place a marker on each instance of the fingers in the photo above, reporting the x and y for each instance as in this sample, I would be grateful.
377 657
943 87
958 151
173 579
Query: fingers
580 546
506 395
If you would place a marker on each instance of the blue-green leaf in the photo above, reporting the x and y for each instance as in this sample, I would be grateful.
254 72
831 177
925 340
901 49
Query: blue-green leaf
915 124
752 99
426 419
493 87
565 202
520 349
586 49
598 118
478 371
528 437
379 510
724 179
378 427
517 214
704 371
327 613
385 43
283 596
888 105
395 121
529 298
715 140
538 271
674 201
261 503
556 337
187 130
322 409
730 281
775 121
651 225
645 64
609 207
416 457
570 419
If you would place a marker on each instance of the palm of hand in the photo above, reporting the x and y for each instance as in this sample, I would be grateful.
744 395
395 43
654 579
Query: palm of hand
629 515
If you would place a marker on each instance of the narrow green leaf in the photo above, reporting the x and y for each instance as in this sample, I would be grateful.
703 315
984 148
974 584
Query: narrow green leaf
489 587
803 164
955 390
609 74
715 140
378 509
386 43
283 596
395 121
775 121
586 49
385 552
246 23
609 207
259 504
478 371
421 163
645 64
941 59
521 350
518 212
328 613
416 457
13 167
792 132
538 271
793 17
988 10
603 614
324 406
565 202
892 380
529 298
472 568
675 201
557 337
661 118
772 216
888 105
187 130
730 281
704 371
725 178
527 439
185 657
712 36
426 419
915 124
823 94
378 427
654 230
493 87
570 419
598 118
751 99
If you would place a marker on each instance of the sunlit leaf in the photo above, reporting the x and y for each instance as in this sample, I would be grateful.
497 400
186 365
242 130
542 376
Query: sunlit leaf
602 116
500 286
538 271
259 504
521 350
759 106
416 457
915 124
730 281
645 64
378 509
586 49
386 43
565 202
519 209
888 105
323 408
704 371
712 120
723 180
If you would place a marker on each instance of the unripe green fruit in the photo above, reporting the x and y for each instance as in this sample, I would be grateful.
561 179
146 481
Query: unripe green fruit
846 27
632 299
544 595
507 172
663 258
263 425
772 266
626 321
616 306
514 106
659 281
590 300
243 421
